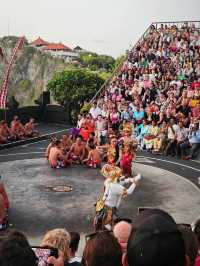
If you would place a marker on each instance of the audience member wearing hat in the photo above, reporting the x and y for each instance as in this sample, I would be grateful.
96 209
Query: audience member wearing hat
156 241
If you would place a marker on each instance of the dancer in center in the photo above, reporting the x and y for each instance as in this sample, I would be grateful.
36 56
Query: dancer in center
114 191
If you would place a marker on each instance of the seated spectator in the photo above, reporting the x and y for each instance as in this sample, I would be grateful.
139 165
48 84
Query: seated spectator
58 238
102 249
196 111
156 240
122 231
196 230
84 132
181 137
114 119
138 115
74 242
151 136
101 130
142 130
159 143
171 138
191 243
95 110
16 251
192 144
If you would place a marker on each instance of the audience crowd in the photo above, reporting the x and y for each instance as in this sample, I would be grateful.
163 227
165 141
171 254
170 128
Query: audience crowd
157 91
153 238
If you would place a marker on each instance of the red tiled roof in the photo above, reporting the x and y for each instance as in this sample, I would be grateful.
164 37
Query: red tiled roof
57 46
39 42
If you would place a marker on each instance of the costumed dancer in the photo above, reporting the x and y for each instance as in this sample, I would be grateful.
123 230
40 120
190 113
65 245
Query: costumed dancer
113 151
128 135
114 191
127 155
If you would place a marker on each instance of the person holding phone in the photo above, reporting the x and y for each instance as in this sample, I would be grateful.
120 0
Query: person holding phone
60 239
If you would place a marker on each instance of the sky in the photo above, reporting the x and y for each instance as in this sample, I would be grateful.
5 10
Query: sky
102 26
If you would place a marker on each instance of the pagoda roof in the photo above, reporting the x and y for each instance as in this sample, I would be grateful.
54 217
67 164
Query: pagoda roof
39 42
57 46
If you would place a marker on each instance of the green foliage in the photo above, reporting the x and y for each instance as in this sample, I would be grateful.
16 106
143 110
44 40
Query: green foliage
73 86
95 61
119 60
85 109
105 75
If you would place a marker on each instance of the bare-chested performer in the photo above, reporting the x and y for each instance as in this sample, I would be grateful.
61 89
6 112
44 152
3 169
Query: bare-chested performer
77 151
5 132
94 157
17 128
30 129
56 157
3 138
51 144
66 142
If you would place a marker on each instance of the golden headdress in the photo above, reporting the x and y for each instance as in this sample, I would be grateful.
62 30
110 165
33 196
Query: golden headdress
111 172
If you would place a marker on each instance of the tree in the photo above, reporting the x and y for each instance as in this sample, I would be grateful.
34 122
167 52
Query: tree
72 87
95 61
120 60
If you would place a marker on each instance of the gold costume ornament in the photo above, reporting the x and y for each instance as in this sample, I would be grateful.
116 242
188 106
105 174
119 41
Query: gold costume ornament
111 172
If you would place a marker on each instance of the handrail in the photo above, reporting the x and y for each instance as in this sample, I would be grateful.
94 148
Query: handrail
140 39
180 21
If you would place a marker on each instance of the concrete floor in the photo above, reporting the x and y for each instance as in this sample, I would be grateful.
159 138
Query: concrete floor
35 209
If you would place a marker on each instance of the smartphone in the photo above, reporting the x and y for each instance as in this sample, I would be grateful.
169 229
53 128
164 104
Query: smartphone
43 253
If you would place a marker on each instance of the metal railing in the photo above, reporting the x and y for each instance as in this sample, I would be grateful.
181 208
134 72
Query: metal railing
157 25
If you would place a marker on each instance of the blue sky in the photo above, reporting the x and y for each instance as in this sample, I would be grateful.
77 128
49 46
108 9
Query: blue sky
103 26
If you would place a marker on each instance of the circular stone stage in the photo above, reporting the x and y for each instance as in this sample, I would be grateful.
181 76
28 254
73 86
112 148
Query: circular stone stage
36 208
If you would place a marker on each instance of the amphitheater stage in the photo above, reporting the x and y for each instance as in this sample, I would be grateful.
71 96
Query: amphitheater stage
35 208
